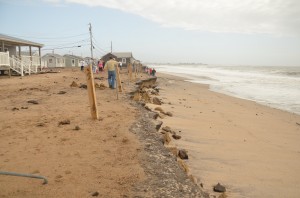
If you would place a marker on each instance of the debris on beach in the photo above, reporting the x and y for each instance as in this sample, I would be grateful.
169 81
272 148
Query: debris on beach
219 188
176 137
77 128
33 101
61 92
156 101
182 154
84 86
95 194
64 122
74 84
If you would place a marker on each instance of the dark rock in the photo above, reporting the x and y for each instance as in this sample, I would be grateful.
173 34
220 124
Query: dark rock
183 154
33 101
40 124
61 92
153 115
156 101
157 124
95 194
84 86
64 122
176 137
77 128
219 188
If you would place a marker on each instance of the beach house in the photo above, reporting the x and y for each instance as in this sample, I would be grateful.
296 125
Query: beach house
13 59
51 60
124 57
72 60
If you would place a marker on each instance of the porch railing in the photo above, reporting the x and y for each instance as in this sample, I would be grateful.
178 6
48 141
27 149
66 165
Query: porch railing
4 58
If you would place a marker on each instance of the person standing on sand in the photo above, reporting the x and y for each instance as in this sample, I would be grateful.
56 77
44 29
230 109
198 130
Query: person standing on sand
82 65
110 67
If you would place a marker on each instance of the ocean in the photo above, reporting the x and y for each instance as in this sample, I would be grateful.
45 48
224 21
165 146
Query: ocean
274 86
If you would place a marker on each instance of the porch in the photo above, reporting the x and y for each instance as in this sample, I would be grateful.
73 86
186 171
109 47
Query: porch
12 56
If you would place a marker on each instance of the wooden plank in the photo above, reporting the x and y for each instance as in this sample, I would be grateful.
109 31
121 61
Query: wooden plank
119 83
130 72
91 91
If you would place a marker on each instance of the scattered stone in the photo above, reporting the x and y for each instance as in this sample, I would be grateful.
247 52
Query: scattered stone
95 194
167 129
166 138
156 101
223 195
176 137
40 125
84 86
153 115
159 109
61 92
77 128
64 122
33 101
219 188
169 114
74 84
183 165
15 108
157 124
183 154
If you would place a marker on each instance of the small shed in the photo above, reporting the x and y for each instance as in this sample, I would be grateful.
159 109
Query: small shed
72 60
53 60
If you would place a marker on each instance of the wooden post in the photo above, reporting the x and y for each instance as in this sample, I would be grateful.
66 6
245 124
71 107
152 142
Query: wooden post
91 91
119 84
130 72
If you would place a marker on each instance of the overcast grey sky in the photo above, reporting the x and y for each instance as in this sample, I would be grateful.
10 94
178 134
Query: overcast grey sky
228 32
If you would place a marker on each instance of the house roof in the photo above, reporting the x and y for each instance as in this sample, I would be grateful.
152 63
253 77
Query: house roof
18 41
52 55
123 54
73 56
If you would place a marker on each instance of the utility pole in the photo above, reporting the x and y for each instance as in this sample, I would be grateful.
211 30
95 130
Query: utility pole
91 38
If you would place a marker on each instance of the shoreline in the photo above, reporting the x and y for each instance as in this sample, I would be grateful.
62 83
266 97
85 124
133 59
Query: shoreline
231 136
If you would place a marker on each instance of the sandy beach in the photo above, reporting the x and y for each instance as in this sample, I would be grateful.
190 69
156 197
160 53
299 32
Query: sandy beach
118 155
251 149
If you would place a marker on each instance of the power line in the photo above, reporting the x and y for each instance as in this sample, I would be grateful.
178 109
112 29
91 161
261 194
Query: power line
50 38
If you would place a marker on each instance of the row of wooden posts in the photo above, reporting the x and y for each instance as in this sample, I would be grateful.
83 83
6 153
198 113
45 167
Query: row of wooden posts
91 85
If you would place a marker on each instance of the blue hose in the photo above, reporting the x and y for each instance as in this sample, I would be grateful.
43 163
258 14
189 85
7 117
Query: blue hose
24 175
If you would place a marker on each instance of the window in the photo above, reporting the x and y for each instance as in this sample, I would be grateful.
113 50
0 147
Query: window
123 60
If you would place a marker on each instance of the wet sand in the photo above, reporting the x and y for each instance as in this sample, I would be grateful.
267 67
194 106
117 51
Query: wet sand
252 149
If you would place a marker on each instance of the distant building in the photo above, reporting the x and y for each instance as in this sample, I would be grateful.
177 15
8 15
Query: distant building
72 60
124 57
53 60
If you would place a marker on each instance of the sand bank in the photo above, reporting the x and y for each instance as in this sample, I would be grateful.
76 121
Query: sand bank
252 149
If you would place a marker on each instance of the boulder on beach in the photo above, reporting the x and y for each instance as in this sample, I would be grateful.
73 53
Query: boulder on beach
183 154
219 188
